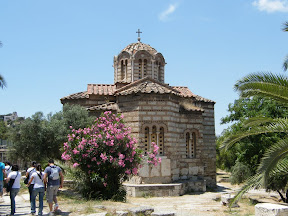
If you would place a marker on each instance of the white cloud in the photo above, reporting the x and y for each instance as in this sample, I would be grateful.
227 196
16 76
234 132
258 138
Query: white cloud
271 6
163 16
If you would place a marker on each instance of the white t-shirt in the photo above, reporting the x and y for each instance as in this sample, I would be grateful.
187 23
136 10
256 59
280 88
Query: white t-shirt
31 170
12 175
38 183
8 169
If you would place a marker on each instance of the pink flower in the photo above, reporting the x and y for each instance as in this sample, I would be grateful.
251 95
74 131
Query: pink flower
135 171
103 156
75 151
105 184
75 165
128 172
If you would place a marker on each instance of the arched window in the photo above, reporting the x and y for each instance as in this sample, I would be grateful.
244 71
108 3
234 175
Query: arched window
159 71
156 136
146 141
122 70
187 145
140 69
190 144
145 68
193 144
161 141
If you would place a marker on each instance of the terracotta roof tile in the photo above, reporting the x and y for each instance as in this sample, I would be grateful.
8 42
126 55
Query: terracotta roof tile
79 95
146 85
134 47
101 89
185 92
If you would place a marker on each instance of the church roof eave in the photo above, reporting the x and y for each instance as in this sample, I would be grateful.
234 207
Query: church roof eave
146 85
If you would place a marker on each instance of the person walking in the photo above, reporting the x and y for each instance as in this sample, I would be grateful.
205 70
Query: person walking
39 188
15 174
8 169
2 176
53 178
29 173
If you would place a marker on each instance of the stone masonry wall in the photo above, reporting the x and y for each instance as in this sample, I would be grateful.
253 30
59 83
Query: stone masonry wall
163 110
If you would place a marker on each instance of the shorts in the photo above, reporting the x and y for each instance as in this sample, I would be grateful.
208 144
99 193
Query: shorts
1 186
51 193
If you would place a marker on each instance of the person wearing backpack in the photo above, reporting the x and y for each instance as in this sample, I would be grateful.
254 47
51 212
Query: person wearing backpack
15 187
39 188
53 178
29 173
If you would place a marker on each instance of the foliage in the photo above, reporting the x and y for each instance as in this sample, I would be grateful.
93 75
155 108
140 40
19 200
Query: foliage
240 172
39 137
3 130
274 160
248 150
105 155
32 140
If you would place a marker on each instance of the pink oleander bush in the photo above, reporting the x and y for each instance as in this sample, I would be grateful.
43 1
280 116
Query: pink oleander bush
105 155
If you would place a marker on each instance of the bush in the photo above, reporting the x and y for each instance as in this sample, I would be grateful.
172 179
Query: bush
105 155
240 172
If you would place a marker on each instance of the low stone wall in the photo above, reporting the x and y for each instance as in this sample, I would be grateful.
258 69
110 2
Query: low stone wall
164 190
269 209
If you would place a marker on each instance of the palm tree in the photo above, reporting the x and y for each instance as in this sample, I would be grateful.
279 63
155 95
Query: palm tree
285 64
275 159
2 82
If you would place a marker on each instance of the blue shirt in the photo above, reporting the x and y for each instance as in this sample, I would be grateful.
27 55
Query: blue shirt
2 166
52 182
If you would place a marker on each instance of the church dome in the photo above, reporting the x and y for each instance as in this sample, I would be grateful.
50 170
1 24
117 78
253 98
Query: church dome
136 61
135 47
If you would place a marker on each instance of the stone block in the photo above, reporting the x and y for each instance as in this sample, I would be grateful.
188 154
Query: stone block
163 214
165 167
155 171
122 213
141 210
269 209
144 170
226 199
193 170
184 171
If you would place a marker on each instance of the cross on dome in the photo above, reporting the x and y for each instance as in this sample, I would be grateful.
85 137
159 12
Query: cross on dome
139 32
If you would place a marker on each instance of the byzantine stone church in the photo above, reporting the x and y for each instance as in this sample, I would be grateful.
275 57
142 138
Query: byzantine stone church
180 122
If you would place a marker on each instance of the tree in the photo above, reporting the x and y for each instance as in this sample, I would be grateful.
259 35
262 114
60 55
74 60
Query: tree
249 150
39 137
3 130
275 159
2 80
285 64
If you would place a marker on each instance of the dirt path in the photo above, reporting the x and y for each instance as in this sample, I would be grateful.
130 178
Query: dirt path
196 204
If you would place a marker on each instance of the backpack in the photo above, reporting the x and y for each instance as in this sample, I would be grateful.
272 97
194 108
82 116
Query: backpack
54 175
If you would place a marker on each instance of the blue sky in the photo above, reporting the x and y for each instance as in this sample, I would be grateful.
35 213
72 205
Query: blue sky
55 48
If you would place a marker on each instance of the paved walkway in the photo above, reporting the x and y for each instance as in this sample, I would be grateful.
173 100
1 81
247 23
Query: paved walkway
22 205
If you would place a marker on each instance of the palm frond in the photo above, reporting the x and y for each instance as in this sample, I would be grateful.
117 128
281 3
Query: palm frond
255 121
285 28
285 64
2 82
272 158
277 126
253 182
265 85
